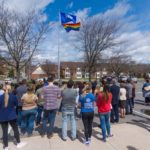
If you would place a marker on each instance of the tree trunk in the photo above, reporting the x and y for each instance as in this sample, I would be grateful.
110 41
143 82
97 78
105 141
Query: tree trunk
17 73
90 75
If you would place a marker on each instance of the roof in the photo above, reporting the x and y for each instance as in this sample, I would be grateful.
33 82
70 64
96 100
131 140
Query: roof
72 65
38 70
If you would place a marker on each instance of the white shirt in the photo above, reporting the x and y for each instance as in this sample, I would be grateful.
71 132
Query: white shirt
123 93
77 98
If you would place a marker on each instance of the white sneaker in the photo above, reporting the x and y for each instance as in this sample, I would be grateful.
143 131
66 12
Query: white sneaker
6 148
21 144
86 142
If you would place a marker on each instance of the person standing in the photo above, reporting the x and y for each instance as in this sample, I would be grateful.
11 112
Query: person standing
94 84
8 104
104 108
68 110
21 89
133 92
40 103
122 99
129 87
29 111
146 91
87 100
51 93
115 89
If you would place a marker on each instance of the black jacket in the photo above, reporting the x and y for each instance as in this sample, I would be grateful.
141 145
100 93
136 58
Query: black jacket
115 90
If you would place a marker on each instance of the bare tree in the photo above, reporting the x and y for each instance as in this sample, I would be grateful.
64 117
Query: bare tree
119 62
97 35
3 67
20 35
49 67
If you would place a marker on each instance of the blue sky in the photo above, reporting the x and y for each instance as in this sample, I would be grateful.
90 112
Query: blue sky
139 8
72 6
133 14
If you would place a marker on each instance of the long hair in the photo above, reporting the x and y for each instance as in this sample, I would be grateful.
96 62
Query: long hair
106 90
6 95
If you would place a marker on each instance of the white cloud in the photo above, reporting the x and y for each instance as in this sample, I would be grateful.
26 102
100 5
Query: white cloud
26 5
49 48
70 5
83 14
136 45
137 42
119 10
43 17
68 52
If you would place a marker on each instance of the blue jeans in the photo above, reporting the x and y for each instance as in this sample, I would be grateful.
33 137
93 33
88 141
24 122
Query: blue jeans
28 118
49 115
129 106
66 115
105 124
39 113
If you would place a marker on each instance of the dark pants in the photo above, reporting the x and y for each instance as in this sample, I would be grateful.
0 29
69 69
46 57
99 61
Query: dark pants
5 131
132 101
115 113
87 118
19 116
129 108
147 100
49 116
39 113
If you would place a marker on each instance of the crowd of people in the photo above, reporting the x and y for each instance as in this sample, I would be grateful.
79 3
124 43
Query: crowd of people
30 104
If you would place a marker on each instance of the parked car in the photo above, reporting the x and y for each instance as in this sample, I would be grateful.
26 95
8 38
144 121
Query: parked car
122 78
134 79
10 80
39 79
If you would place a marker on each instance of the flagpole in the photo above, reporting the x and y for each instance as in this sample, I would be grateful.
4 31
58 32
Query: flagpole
58 49
58 56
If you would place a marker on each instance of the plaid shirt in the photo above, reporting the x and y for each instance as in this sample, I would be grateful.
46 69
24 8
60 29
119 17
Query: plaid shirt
51 94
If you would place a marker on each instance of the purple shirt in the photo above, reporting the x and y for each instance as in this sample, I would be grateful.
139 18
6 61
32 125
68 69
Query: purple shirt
51 94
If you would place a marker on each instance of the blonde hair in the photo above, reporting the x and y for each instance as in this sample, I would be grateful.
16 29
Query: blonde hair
6 95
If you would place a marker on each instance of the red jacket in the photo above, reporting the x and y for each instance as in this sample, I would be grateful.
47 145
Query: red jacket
102 104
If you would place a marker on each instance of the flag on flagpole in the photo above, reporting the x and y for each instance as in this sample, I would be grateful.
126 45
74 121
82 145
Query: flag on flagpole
72 26
65 18
69 23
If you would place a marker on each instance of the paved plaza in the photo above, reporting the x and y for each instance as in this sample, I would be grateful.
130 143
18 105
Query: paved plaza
126 137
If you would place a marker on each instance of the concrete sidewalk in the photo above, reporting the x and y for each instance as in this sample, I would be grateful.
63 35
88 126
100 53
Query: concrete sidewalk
126 137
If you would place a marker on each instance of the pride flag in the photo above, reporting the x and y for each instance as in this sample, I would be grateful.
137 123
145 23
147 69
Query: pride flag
69 23
72 26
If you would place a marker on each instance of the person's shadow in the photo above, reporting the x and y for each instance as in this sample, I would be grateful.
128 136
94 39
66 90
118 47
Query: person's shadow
97 134
132 148
80 136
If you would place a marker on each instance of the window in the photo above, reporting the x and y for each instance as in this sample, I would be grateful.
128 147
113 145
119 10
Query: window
67 70
97 75
79 73
86 75
67 73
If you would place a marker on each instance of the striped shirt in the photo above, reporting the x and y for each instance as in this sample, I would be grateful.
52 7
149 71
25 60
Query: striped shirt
51 94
